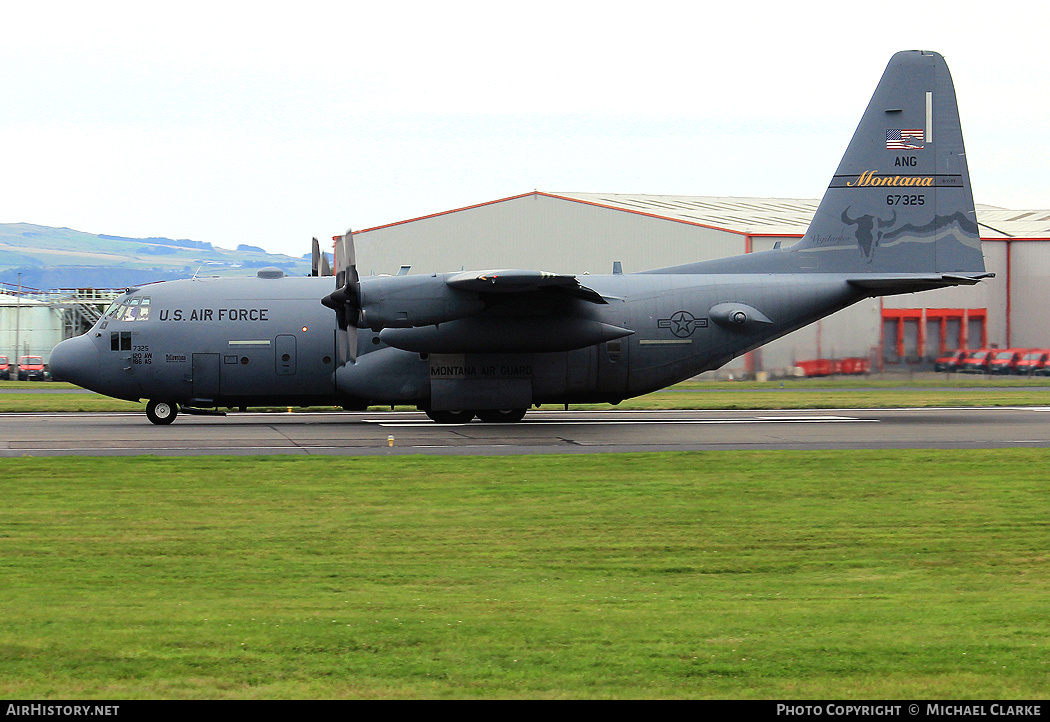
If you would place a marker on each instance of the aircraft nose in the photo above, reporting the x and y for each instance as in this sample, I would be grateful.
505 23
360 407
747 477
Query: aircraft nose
74 360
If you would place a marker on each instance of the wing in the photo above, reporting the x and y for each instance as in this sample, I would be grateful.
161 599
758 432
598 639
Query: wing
496 311
511 281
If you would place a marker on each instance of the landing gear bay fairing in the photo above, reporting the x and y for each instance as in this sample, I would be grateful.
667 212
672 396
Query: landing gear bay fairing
897 217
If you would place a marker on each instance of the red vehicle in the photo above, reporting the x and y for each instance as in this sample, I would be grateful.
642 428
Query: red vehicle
5 368
1005 360
952 361
977 362
30 368
1034 362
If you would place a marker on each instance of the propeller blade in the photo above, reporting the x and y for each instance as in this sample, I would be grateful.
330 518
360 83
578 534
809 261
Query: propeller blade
345 300
340 273
315 257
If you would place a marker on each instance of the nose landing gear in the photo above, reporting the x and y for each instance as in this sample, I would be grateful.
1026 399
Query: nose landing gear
161 412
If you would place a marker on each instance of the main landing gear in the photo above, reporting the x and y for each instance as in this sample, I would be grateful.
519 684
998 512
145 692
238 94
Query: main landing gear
494 416
161 412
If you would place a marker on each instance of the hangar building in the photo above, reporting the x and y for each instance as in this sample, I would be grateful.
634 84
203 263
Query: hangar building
588 232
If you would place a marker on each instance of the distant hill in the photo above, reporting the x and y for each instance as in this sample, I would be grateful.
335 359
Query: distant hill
51 258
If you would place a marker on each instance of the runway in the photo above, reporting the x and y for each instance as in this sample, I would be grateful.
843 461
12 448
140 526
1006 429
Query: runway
542 432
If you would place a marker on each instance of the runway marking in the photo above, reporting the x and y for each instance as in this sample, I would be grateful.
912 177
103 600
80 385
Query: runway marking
621 422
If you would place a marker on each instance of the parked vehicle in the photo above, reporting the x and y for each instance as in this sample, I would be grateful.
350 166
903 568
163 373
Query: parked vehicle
952 361
31 368
1005 361
5 368
977 362
1033 362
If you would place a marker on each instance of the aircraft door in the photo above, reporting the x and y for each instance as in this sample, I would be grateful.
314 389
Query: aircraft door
286 352
205 376
612 366
581 370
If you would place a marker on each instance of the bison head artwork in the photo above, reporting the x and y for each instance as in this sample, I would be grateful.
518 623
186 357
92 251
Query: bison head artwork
869 230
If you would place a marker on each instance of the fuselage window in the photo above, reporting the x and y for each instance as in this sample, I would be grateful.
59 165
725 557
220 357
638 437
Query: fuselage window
120 340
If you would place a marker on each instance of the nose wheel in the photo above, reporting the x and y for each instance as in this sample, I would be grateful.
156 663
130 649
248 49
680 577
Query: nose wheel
161 412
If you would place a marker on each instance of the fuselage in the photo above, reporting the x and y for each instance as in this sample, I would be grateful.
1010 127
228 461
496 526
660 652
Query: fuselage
268 341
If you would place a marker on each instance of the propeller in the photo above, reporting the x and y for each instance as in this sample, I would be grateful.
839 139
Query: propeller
345 300
319 261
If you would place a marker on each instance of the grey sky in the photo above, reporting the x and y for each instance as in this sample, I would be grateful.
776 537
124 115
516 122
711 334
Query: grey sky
267 124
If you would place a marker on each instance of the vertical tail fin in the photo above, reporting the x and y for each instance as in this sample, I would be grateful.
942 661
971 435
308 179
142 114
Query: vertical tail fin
900 201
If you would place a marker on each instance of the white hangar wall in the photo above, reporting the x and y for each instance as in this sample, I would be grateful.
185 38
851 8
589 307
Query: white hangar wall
1023 283
585 233
543 232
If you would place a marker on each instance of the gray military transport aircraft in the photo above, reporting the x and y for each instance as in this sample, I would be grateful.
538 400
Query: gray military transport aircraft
898 217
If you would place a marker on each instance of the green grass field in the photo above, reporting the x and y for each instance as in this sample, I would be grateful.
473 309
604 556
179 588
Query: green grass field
788 575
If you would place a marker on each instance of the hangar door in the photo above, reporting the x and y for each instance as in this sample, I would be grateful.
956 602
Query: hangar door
915 335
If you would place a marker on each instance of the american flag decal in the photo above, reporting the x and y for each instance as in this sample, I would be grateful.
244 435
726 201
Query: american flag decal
904 139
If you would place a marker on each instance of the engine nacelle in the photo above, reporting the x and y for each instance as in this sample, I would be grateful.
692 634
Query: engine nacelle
409 301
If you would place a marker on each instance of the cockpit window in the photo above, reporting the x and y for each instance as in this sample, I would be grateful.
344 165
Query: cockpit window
131 308
111 312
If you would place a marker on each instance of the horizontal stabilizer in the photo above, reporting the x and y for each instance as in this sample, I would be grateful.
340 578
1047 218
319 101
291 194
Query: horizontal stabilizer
885 284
